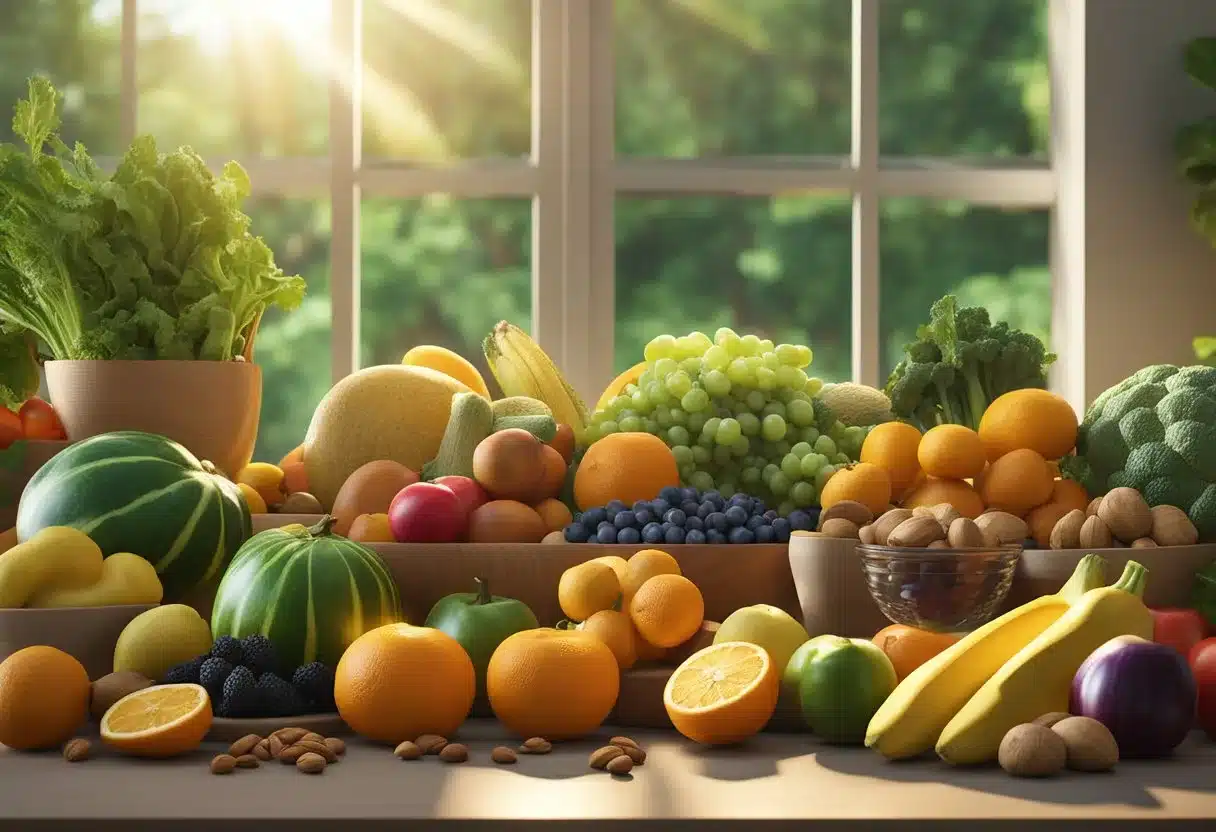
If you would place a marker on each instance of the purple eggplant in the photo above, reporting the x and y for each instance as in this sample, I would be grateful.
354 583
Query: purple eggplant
1142 691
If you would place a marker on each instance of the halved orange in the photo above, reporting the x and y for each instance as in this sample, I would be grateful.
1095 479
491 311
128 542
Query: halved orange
160 721
723 694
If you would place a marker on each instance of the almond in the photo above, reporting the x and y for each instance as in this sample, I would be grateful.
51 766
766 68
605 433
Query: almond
964 534
536 745
77 750
601 757
312 736
840 527
636 754
336 745
223 764
290 736
244 745
850 510
311 763
318 748
454 753
503 755
944 513
247 761
291 753
430 743
621 765
917 531
622 742
888 521
1005 527
408 751
262 750
866 534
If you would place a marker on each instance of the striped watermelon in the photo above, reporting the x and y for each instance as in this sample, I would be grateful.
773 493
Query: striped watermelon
311 592
145 494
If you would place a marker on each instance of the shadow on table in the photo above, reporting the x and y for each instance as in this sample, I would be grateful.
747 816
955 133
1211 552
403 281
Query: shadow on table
1128 784
755 759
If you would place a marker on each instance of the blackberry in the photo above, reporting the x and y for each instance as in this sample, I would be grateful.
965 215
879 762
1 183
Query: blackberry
277 697
240 694
315 682
228 649
212 676
258 654
186 672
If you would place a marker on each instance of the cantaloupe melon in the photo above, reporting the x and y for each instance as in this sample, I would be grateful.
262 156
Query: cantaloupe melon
391 411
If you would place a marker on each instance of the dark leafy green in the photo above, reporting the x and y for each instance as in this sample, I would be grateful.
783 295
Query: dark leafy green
153 262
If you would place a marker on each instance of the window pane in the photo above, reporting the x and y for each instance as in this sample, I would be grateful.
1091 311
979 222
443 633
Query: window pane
447 79
443 271
964 78
988 257
75 44
778 268
235 77
714 78
293 348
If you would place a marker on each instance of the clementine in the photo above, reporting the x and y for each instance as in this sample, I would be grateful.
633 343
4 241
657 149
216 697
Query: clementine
44 698
908 647
624 466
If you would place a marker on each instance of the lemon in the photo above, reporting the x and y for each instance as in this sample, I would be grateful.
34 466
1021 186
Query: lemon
765 626
160 638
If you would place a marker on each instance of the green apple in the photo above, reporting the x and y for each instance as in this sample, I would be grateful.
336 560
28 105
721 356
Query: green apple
765 626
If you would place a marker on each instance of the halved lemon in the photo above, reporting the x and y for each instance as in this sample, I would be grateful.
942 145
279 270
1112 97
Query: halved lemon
723 694
160 721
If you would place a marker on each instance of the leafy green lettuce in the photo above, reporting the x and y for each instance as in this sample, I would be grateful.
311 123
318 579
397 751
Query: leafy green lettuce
153 262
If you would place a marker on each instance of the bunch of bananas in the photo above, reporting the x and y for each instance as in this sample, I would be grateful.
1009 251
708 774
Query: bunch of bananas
522 368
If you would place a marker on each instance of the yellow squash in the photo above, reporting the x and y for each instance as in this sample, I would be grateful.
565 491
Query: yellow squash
909 722
1037 680
57 557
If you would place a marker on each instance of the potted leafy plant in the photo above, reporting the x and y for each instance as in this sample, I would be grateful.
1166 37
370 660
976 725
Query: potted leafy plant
1196 149
144 288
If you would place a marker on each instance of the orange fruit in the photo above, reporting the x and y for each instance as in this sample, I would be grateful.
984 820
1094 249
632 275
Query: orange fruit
619 565
618 634
957 493
863 482
554 476
1031 419
951 452
295 455
1017 482
397 682
586 589
626 467
1069 493
648 652
643 566
667 610
892 446
563 442
908 647
253 499
371 528
722 694
44 698
554 513
160 721
556 684
1042 519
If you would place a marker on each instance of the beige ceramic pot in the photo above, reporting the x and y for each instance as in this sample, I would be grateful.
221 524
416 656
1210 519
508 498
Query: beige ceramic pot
211 407
88 633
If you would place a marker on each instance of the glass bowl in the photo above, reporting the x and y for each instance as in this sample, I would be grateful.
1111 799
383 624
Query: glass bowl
945 590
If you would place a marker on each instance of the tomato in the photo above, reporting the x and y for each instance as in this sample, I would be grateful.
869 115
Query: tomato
10 428
40 421
1203 666
1180 629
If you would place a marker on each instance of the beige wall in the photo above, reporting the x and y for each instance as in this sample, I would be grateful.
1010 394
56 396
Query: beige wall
1150 278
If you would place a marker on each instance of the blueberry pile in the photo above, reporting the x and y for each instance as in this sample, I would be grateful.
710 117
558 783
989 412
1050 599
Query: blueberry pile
241 677
686 515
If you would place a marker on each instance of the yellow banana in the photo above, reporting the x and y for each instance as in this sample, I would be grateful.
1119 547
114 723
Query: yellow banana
522 368
910 721
1037 680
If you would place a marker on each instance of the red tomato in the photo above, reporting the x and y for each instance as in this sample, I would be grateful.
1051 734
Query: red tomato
10 428
1203 665
1180 629
40 421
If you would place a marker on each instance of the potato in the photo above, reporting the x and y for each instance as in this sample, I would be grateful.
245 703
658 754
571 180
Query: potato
1126 514
1066 534
1007 528
1172 527
1095 534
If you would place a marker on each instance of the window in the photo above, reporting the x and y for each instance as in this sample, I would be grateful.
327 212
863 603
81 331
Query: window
597 170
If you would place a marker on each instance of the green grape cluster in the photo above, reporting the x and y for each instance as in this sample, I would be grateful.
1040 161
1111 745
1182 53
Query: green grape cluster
738 413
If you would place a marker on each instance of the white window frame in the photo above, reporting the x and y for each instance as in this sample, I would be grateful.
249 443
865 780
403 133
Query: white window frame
573 179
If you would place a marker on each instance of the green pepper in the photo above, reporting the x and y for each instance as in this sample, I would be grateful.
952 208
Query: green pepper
841 683
480 622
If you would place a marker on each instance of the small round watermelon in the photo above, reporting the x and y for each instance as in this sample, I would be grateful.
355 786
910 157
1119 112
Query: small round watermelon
311 592
144 494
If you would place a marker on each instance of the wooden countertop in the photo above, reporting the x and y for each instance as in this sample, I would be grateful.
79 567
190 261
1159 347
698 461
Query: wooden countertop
774 777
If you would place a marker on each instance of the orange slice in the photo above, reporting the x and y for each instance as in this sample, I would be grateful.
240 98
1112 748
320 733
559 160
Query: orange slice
722 694
160 721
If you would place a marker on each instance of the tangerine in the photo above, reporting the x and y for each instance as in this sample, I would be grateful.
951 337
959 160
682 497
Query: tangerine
624 466
892 446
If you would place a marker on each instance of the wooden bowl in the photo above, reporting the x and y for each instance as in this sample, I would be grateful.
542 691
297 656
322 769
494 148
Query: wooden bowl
88 633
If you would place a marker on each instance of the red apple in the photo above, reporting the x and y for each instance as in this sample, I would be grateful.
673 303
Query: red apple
472 496
427 513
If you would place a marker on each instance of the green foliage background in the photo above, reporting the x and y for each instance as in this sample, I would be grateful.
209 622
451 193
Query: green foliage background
450 79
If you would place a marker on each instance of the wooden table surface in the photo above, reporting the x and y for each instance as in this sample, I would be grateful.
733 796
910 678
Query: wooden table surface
774 777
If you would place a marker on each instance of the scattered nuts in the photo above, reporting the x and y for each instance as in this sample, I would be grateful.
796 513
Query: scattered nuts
1172 527
311 763
114 686
1089 743
917 531
601 757
292 753
503 755
1048 720
1066 534
1095 534
1144 543
620 766
1092 508
964 534
336 745
275 746
1126 514
223 764
622 742
888 521
77 750
430 743
454 753
840 527
1005 527
636 754
855 512
244 745
536 745
290 736
1031 750
866 534
247 761
408 751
